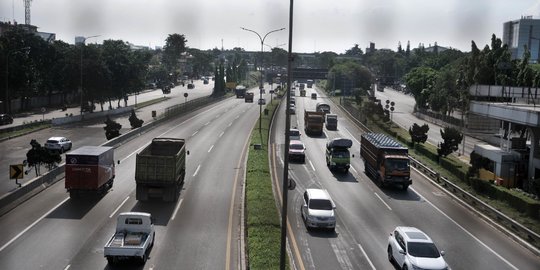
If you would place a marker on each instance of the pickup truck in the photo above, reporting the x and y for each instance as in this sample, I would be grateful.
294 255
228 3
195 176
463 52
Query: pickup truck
133 239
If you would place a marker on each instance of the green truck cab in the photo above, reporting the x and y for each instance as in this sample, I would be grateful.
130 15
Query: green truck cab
338 156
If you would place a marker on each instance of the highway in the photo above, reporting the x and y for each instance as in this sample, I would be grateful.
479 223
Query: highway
200 231
89 132
366 214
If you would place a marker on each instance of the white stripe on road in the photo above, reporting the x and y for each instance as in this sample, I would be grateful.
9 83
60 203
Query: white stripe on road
346 129
221 134
197 170
118 208
230 124
238 116
387 206
210 148
192 135
176 209
354 170
311 164
32 225
67 267
207 123
367 258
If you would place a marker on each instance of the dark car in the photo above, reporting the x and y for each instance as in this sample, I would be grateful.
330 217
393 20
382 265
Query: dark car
190 86
6 119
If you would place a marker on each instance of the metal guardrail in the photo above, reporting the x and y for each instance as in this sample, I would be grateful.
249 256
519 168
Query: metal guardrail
11 200
513 229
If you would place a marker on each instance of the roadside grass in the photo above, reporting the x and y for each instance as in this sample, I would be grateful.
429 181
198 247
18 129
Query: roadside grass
262 216
25 130
150 102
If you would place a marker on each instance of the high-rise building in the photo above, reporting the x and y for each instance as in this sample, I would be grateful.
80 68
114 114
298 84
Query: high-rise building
520 33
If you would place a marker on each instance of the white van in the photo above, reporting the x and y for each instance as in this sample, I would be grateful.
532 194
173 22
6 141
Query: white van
318 209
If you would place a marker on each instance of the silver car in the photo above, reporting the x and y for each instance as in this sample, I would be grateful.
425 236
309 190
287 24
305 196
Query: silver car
60 144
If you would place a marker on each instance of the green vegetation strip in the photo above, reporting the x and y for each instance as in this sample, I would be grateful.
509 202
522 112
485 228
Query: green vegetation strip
263 222
24 131
150 102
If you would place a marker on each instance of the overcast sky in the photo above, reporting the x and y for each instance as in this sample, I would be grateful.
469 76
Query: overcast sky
319 25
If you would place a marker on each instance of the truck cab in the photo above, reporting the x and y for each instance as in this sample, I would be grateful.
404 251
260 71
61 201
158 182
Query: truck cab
338 156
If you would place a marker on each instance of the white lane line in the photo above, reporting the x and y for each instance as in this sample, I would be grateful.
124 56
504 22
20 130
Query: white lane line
387 206
325 134
230 124
118 208
311 164
221 134
197 170
346 129
192 135
217 116
367 258
210 148
67 267
207 123
32 225
135 152
354 170
176 209
238 116
461 227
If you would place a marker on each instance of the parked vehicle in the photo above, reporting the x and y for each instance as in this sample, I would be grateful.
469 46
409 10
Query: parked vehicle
60 144
297 151
386 160
331 121
318 209
322 107
133 239
249 97
337 154
6 119
160 169
240 91
89 169
411 248
313 122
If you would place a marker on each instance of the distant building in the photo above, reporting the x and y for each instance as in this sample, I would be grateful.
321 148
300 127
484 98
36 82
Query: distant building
435 48
371 48
520 33
6 26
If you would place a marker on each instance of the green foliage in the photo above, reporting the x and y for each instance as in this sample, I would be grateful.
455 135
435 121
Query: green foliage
175 45
418 133
112 128
359 75
421 82
39 155
451 140
134 121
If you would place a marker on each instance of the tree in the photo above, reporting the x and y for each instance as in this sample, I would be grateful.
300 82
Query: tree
112 128
175 45
354 51
420 81
418 133
134 121
451 140
39 155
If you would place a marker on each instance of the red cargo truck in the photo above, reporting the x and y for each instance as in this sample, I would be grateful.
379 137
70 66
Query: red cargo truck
89 169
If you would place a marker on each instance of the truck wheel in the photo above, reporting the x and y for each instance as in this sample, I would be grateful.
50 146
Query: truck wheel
144 258
73 194
404 186
110 260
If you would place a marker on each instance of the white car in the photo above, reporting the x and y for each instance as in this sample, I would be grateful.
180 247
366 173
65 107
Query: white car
318 209
60 144
410 248
294 134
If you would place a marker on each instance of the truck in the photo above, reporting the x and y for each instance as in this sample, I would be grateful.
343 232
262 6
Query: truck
338 156
133 239
313 122
249 97
331 121
322 107
160 169
89 170
240 91
309 83
386 160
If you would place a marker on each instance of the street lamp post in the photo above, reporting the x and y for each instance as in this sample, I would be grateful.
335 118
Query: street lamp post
7 105
81 77
261 81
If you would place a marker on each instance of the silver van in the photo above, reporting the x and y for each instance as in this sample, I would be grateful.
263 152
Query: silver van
318 209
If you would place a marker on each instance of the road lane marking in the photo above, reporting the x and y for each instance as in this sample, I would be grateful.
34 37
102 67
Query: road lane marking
176 209
118 208
209 150
465 230
347 130
207 123
311 164
238 116
67 267
230 124
387 206
197 170
217 116
365 255
354 170
32 225
192 135
221 134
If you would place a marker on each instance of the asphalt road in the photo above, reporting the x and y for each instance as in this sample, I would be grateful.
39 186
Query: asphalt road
366 214
200 231
89 132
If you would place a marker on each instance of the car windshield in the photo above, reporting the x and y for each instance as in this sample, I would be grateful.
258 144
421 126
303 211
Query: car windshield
296 146
320 205
424 250
341 154
294 133
397 164
52 141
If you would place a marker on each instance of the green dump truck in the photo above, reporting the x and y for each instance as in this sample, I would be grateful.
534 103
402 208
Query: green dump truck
160 169
337 154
